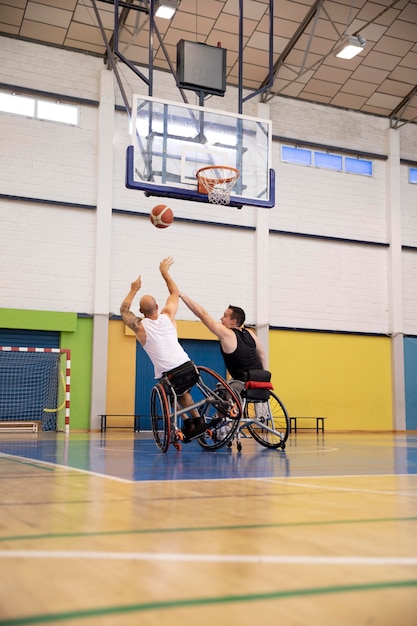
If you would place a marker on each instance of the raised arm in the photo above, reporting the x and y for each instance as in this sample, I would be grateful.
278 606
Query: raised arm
225 335
171 305
128 317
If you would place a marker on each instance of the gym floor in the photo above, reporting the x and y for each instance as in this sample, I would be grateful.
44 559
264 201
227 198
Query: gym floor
103 528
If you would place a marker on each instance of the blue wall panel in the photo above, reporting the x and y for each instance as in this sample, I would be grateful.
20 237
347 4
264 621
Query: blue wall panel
201 352
29 338
410 378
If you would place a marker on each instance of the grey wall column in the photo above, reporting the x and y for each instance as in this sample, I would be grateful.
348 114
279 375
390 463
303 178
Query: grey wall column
395 282
103 246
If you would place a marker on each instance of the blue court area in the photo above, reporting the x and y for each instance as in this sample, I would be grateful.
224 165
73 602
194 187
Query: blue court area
127 456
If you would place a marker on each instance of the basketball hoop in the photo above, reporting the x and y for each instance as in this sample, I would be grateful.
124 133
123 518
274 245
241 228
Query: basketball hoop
217 181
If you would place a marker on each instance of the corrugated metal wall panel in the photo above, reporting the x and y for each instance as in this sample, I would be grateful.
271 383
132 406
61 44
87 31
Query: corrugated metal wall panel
29 338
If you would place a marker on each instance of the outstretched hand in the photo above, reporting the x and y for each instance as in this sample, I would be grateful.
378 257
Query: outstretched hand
165 264
137 284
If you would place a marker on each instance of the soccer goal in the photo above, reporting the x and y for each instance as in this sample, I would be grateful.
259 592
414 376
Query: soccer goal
34 389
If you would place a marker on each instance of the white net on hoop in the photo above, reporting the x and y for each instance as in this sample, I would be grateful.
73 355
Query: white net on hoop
217 182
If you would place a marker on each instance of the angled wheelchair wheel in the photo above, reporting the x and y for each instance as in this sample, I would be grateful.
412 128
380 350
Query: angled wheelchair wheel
160 417
268 422
222 410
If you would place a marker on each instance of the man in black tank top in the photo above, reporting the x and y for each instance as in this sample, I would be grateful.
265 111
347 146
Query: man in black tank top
240 347
245 357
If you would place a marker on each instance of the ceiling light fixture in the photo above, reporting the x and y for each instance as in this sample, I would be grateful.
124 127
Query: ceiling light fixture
350 47
166 8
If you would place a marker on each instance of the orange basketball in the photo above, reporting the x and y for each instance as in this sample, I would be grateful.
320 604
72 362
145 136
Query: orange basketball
161 216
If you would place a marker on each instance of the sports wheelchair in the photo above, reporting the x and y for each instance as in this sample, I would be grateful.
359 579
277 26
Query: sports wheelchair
264 416
216 402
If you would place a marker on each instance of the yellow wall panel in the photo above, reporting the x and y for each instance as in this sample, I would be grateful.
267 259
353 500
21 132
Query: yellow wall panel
186 330
121 370
346 378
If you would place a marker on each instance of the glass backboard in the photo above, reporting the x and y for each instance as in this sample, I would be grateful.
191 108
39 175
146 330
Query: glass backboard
172 141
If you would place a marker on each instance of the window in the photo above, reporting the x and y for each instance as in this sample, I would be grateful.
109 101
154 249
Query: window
413 175
358 166
57 112
19 105
329 161
296 155
337 162
42 109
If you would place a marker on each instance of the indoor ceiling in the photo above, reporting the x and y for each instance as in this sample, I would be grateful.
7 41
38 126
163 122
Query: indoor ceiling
381 80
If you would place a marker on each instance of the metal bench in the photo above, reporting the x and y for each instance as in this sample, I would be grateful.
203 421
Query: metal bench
319 423
104 426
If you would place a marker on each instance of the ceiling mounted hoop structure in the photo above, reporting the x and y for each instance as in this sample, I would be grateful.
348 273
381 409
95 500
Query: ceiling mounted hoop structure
217 181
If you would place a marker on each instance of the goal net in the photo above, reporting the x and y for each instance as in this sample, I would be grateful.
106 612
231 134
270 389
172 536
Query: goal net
35 386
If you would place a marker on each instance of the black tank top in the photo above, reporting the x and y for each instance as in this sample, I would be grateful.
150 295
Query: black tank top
244 357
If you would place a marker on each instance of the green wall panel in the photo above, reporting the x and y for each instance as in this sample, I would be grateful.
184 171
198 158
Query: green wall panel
38 320
76 334
81 345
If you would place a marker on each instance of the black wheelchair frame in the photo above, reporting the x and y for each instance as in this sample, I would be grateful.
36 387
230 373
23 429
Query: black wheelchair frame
264 416
218 404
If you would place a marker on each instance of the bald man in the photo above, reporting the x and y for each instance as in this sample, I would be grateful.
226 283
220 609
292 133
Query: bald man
157 334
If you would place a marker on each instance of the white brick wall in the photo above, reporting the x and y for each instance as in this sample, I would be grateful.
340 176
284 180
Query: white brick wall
48 160
49 69
46 257
328 126
323 202
410 292
326 285
47 252
213 265
409 208
408 135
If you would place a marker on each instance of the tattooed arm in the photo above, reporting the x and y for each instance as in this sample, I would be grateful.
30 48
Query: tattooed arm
129 318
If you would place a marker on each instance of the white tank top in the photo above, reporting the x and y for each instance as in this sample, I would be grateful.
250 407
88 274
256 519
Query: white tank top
162 344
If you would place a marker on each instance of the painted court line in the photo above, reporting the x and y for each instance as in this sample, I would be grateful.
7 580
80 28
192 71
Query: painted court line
69 468
207 558
240 599
328 486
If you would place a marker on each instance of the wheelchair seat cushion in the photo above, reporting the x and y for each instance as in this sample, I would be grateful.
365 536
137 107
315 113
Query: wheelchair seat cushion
183 377
257 385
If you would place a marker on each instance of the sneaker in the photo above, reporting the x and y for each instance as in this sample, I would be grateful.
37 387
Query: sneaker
215 422
194 427
200 426
187 426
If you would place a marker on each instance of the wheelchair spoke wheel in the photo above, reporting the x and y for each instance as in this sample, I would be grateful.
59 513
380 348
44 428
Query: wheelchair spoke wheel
160 417
268 422
221 412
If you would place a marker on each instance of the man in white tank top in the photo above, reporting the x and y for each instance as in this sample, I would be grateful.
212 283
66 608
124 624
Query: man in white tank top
157 334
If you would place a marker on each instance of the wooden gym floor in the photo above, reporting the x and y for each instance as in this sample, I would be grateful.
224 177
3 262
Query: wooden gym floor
104 529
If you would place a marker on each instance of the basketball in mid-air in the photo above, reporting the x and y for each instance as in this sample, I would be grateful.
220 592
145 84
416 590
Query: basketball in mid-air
161 216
